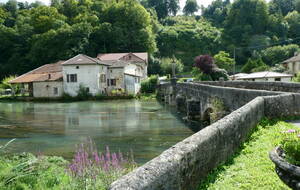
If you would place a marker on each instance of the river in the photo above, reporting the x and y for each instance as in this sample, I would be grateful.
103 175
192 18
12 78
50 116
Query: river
146 128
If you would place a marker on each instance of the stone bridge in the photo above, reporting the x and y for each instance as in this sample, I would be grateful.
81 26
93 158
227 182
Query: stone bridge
197 99
182 166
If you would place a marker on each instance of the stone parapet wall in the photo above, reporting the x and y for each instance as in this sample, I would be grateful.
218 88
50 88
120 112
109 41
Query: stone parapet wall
182 166
270 86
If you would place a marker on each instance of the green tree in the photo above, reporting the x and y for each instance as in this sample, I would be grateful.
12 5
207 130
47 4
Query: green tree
241 24
3 15
131 27
216 12
224 61
44 18
191 6
185 37
282 6
278 26
168 63
163 8
254 65
293 18
297 6
277 54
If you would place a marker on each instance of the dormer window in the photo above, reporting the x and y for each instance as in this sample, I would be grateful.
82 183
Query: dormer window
129 56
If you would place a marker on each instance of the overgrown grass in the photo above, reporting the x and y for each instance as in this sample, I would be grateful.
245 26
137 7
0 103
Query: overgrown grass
88 170
251 167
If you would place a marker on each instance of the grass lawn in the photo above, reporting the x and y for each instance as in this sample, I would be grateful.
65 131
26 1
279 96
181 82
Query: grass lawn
251 167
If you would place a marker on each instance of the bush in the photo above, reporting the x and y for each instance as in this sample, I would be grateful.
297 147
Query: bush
83 93
149 85
290 143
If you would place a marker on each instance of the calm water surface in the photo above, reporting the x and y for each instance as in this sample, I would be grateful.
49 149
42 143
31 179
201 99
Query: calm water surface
145 127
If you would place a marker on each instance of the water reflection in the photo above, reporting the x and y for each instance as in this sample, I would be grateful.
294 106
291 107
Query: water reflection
147 128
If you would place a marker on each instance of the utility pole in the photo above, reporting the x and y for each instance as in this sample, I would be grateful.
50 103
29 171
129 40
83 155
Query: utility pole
173 67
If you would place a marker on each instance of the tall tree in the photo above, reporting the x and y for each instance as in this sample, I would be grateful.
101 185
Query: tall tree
282 6
131 27
44 18
241 24
173 7
191 6
293 18
163 8
216 12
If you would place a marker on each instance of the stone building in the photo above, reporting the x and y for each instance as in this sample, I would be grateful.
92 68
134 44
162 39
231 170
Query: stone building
293 64
45 81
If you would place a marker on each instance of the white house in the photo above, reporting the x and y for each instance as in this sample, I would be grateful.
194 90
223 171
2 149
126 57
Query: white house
139 59
100 77
86 72
267 76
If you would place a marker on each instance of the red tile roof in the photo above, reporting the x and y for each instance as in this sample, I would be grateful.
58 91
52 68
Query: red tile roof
49 72
83 60
118 56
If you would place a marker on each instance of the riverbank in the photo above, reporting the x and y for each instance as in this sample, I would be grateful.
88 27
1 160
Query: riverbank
251 167
63 99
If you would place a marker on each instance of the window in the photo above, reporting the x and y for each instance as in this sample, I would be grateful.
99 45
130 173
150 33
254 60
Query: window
77 67
55 91
71 77
277 79
107 82
102 78
113 82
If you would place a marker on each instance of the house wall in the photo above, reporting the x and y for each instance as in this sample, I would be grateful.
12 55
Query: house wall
294 67
118 74
132 84
88 76
133 69
46 89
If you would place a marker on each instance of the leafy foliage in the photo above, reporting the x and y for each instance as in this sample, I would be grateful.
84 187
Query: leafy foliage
224 61
149 85
205 64
277 54
167 65
191 6
290 143
185 37
254 65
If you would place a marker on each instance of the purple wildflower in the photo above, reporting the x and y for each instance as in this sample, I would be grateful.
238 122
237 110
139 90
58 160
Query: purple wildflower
290 131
